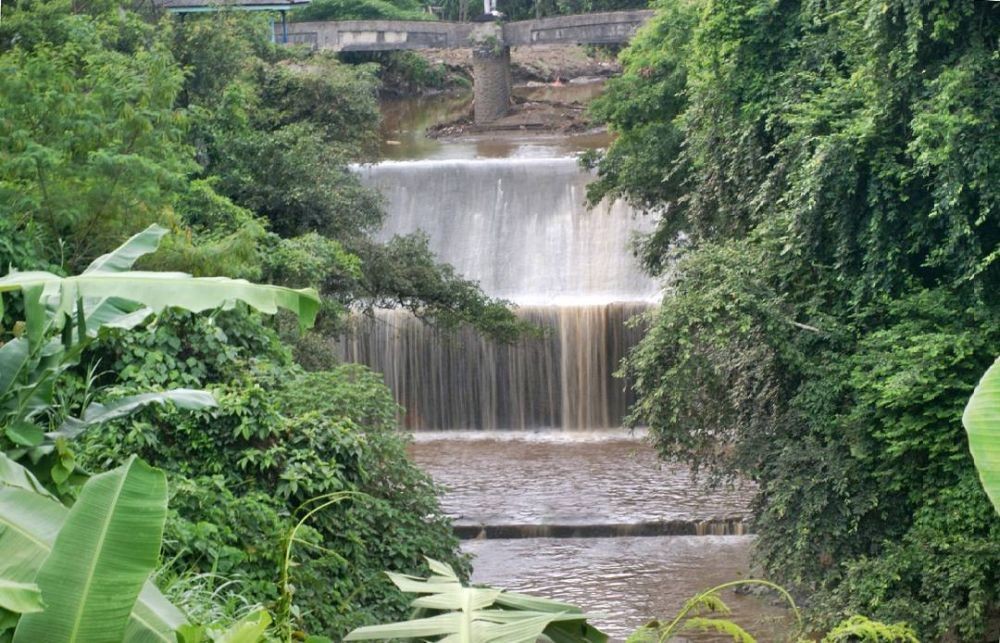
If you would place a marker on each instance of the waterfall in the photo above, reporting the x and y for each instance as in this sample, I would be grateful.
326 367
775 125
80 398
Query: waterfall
520 228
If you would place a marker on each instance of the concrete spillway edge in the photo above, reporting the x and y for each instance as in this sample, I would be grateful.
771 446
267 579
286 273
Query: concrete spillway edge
719 527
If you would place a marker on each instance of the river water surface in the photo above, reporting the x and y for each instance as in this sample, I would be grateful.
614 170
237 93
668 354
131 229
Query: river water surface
526 438
593 478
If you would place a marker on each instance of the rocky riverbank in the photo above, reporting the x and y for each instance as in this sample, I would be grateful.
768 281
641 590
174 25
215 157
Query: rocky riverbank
545 63
525 116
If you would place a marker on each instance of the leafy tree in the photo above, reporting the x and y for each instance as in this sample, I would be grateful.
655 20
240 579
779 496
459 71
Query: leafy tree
818 177
91 145
363 10
242 149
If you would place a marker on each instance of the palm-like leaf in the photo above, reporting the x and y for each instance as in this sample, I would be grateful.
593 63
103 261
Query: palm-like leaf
107 294
122 258
159 290
982 423
29 525
96 413
479 615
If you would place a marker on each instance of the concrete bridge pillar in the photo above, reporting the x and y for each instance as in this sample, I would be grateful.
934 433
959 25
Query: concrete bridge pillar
491 80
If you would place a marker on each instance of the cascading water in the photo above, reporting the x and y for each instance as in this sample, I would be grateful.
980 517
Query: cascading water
520 228
540 505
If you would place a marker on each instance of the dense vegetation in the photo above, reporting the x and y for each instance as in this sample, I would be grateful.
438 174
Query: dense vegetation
823 180
364 10
823 176
528 9
113 119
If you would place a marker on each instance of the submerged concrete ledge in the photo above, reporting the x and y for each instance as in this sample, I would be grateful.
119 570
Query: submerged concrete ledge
709 527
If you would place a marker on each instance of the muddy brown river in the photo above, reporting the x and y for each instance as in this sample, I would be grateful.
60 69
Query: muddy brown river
590 517
593 478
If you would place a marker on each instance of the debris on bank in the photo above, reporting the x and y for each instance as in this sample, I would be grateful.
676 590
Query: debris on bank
524 116
538 64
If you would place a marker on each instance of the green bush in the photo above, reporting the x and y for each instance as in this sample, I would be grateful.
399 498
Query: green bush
362 10
828 230
280 438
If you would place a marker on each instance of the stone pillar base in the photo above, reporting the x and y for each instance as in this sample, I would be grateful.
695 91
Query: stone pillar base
492 84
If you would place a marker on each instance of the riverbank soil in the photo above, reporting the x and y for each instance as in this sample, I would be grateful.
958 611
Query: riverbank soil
524 116
542 63
533 71
553 85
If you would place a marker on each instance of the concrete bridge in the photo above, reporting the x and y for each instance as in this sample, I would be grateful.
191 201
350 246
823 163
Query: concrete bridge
490 43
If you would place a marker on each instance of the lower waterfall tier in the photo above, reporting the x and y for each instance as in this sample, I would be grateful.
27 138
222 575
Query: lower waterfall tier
459 380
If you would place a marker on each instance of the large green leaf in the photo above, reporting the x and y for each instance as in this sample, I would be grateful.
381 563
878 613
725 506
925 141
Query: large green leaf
103 289
103 555
468 617
124 256
249 629
96 413
112 311
13 474
982 423
29 524
13 357
159 290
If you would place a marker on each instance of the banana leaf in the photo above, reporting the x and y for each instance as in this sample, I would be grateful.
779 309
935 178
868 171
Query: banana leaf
982 424
29 525
479 615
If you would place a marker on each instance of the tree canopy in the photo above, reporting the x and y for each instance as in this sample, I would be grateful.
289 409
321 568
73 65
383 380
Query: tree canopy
822 176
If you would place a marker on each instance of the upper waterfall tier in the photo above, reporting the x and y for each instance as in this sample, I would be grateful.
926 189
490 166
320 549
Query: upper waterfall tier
519 227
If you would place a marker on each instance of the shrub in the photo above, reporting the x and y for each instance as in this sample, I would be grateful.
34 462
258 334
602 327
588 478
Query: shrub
280 438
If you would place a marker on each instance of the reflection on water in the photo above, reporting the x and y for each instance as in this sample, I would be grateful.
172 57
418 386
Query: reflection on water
613 481
625 582
405 121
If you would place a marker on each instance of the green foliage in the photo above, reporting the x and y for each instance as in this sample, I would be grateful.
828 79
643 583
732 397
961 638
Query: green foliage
242 476
707 612
63 316
445 610
828 232
252 628
859 629
362 10
104 553
91 563
91 145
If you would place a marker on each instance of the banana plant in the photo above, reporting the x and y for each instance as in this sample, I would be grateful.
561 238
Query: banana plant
62 317
982 424
85 569
448 611
82 575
